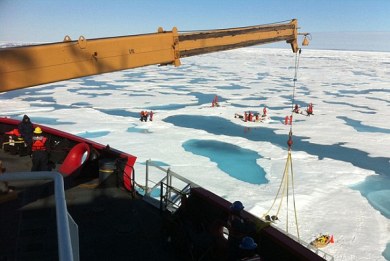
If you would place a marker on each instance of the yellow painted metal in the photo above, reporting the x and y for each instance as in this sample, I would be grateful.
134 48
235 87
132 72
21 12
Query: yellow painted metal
33 65
226 39
26 66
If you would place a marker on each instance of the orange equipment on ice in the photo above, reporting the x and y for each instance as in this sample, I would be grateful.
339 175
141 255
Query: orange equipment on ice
322 240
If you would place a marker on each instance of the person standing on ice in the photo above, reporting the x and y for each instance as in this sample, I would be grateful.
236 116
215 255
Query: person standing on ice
144 116
286 119
151 116
296 108
250 116
215 102
265 111
310 109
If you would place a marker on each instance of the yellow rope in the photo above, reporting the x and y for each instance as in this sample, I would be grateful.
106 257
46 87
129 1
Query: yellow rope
295 208
285 179
277 194
284 190
284 182
288 161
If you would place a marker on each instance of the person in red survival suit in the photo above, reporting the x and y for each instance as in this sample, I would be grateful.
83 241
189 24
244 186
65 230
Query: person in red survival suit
296 108
40 158
310 109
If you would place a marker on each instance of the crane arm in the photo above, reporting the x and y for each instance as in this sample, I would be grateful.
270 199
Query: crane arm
26 66
226 39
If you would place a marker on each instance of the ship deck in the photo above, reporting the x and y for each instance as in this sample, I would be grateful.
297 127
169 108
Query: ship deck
115 224
112 224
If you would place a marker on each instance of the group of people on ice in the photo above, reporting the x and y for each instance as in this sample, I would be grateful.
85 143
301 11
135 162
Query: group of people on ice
309 109
252 116
145 114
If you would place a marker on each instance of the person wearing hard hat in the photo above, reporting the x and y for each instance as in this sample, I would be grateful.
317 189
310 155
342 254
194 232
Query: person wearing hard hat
237 229
248 250
40 158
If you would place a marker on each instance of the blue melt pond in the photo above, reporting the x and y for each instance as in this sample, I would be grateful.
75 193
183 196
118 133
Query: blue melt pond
155 193
93 134
49 121
239 163
358 126
138 130
377 190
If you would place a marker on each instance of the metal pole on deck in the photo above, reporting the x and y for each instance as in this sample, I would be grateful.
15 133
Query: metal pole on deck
169 183
66 250
147 177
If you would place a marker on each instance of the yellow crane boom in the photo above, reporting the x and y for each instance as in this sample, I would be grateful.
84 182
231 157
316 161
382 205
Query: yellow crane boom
26 66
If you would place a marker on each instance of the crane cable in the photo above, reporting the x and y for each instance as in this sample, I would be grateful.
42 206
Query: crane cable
285 179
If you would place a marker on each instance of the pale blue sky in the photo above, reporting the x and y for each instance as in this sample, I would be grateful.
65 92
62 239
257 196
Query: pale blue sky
51 20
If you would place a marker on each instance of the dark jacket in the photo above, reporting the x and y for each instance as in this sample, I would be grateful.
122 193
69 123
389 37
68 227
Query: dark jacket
26 129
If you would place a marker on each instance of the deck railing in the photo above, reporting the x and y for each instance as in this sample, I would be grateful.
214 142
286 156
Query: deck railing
168 188
316 250
67 230
170 197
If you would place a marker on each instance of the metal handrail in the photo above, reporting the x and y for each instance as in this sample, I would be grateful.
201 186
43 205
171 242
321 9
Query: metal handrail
65 249
166 198
169 172
166 182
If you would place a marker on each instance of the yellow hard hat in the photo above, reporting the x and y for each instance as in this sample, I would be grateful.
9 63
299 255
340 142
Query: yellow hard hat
37 130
